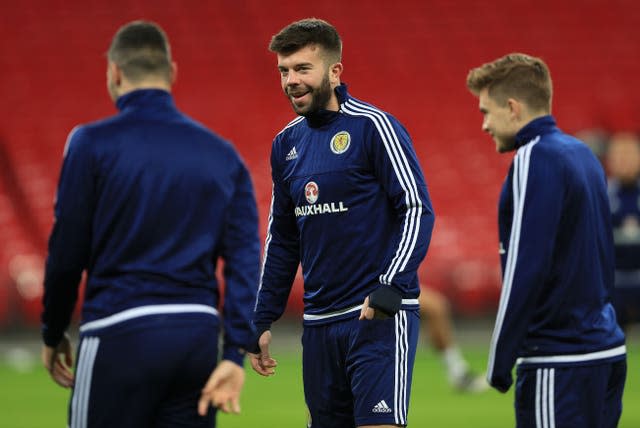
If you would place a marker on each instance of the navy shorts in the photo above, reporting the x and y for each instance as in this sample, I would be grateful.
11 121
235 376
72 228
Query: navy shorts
145 372
587 396
359 372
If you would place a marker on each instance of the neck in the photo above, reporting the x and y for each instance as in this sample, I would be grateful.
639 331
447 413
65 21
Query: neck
529 117
126 87
334 103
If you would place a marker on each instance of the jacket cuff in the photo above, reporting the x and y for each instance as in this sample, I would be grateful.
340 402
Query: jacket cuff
386 299
501 383
253 346
51 338
234 354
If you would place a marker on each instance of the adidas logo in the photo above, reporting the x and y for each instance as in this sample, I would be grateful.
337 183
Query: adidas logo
381 407
293 154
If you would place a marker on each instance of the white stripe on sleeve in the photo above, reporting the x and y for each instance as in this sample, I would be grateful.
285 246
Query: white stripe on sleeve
406 179
267 241
519 188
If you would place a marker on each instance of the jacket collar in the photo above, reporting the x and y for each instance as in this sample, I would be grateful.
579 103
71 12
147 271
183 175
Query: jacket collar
141 98
538 126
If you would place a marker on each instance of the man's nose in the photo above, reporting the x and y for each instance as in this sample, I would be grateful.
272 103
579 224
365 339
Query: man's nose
292 78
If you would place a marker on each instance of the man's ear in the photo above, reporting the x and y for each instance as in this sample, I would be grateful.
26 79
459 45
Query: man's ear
174 73
334 73
515 108
115 73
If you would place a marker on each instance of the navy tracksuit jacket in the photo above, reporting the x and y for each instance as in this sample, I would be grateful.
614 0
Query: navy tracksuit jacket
350 204
557 257
147 203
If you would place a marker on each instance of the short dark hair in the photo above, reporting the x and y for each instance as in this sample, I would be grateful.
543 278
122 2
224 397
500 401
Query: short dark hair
516 75
310 31
140 49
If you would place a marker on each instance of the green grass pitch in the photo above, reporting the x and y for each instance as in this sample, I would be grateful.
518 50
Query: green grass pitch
28 399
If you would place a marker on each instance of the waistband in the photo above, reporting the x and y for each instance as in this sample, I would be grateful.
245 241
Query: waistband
347 312
575 358
142 311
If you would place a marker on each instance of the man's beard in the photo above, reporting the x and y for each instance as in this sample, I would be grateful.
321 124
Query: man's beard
505 144
320 98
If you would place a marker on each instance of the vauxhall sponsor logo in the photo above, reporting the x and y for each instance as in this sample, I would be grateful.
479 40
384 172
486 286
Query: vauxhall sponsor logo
329 208
311 193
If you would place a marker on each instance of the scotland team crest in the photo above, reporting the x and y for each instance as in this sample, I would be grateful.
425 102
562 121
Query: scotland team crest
340 142
311 192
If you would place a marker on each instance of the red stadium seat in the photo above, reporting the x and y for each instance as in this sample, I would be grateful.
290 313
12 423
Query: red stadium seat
410 60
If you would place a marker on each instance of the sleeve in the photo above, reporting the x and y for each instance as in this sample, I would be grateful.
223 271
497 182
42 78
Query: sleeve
241 254
537 186
397 168
70 240
281 254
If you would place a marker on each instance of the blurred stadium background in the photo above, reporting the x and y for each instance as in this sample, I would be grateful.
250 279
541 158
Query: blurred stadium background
409 57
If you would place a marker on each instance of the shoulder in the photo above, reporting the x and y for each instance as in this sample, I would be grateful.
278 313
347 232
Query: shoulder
85 136
292 124
79 139
286 137
558 153
546 148
559 147
100 126
387 126
290 127
540 158
360 109
199 130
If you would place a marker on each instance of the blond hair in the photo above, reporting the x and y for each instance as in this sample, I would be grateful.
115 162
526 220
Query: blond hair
520 76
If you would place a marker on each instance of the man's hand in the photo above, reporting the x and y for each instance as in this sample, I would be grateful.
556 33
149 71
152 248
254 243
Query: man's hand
223 389
367 312
58 361
262 363
383 303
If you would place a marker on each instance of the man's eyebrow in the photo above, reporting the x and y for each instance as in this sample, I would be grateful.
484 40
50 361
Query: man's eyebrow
299 65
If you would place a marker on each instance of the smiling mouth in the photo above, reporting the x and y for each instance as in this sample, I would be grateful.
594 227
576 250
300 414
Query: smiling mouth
297 91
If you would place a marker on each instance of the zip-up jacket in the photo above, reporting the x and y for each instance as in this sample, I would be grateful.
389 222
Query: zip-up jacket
350 204
557 258
147 202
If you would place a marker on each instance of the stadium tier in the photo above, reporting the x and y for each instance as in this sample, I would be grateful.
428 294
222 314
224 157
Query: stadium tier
409 57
